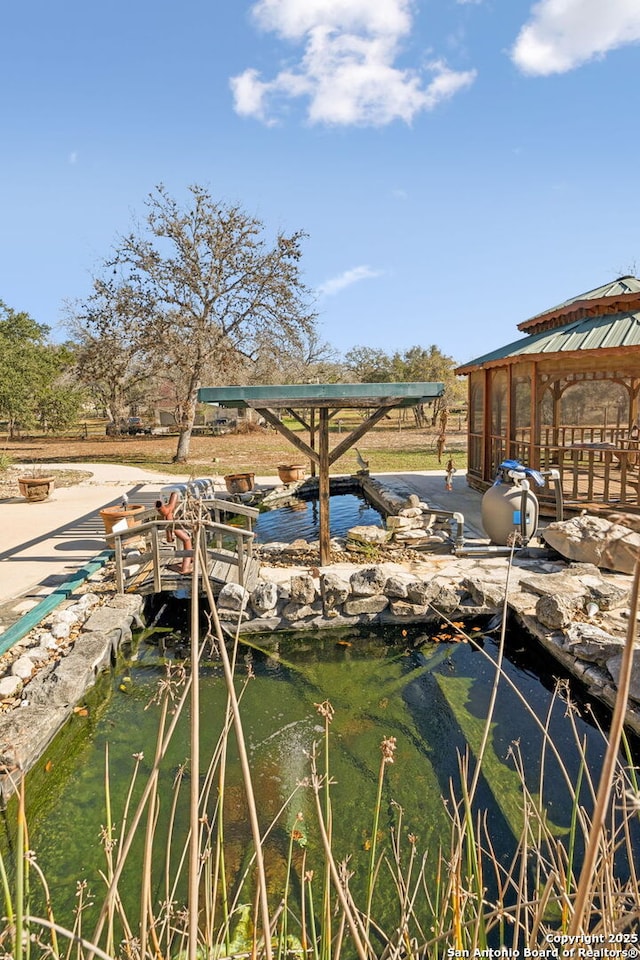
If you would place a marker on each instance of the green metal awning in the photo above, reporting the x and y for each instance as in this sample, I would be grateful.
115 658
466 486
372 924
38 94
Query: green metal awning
337 395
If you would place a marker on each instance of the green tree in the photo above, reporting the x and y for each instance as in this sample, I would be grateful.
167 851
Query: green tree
32 388
203 286
415 365
368 365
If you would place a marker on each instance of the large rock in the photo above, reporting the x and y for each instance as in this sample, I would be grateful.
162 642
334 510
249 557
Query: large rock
303 589
367 582
590 539
556 612
554 585
607 595
367 535
422 592
400 608
589 642
232 597
405 523
10 686
630 520
368 604
333 589
614 665
485 592
23 667
446 600
264 598
396 586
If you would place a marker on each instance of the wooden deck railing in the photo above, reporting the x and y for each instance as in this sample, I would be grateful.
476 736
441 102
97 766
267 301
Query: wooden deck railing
592 471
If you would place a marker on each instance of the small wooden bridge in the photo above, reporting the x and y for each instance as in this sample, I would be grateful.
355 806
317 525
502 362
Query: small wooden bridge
146 562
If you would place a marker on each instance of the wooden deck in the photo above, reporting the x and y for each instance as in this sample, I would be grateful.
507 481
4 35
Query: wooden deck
146 563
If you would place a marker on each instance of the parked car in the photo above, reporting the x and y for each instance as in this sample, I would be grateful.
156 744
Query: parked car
135 425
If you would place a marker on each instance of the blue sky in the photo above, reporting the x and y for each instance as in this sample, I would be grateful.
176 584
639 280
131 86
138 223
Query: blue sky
458 166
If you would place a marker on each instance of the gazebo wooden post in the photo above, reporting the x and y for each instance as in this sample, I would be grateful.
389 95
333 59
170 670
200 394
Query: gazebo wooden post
312 438
323 487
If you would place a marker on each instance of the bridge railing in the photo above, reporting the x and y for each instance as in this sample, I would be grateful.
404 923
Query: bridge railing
152 529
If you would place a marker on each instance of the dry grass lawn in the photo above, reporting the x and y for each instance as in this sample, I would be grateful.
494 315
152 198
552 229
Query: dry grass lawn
388 447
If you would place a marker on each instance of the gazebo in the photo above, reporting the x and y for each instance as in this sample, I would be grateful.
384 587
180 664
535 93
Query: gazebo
314 405
566 395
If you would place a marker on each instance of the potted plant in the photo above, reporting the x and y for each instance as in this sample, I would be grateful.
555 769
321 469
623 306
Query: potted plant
125 511
239 482
36 485
291 472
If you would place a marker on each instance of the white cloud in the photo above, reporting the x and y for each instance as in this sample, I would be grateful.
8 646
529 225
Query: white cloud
347 70
73 157
563 34
330 287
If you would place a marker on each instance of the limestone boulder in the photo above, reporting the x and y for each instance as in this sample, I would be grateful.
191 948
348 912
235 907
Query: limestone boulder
395 524
630 520
422 591
264 598
367 604
589 642
554 585
396 587
409 611
556 612
591 539
23 667
446 600
607 595
232 597
302 589
333 589
10 686
367 535
367 582
485 592
301 611
614 666
60 629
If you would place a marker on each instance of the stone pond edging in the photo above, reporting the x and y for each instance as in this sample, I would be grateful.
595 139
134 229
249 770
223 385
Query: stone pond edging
50 671
577 612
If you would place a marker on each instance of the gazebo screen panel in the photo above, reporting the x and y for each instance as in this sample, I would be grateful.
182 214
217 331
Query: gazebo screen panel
499 406
521 417
476 423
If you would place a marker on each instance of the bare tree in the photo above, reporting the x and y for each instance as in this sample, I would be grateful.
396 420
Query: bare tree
110 357
204 286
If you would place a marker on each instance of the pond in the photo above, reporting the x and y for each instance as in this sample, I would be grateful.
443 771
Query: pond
430 694
301 519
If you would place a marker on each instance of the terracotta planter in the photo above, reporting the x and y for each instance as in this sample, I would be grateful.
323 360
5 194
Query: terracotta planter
291 472
36 488
111 515
239 482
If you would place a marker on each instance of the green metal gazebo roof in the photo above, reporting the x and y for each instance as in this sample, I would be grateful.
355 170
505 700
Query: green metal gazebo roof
340 395
623 286
590 333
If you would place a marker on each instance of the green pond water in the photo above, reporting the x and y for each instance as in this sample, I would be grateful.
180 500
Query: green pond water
432 697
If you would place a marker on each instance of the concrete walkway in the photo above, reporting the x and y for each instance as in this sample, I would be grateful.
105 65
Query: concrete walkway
43 544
